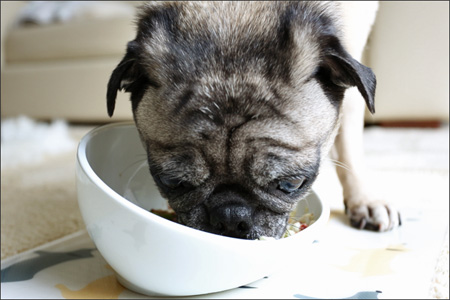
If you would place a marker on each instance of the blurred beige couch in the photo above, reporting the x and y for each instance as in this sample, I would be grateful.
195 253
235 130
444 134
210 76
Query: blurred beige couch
61 70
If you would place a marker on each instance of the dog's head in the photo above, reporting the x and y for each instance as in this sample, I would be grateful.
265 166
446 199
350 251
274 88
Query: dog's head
237 104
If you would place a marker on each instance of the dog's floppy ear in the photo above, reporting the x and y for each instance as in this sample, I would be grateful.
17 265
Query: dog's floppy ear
128 76
346 72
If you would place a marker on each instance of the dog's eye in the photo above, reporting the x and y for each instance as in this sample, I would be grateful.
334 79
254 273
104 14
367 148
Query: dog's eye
169 182
173 183
291 185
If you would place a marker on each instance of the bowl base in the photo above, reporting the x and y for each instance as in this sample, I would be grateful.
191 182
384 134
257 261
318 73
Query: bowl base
125 283
134 288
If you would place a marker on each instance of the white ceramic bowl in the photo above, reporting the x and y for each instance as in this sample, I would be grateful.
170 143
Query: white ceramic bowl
152 255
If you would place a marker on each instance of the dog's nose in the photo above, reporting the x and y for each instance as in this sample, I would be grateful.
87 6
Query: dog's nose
234 220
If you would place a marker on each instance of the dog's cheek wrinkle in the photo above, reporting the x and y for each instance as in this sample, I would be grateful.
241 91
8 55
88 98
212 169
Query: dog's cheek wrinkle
183 101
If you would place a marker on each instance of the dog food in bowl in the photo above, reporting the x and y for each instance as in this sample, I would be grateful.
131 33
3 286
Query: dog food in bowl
155 256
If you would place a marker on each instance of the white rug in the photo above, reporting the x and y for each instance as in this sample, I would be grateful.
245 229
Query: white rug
407 166
38 188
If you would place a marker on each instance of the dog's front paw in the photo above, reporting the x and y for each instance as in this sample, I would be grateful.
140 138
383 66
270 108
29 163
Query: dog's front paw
373 216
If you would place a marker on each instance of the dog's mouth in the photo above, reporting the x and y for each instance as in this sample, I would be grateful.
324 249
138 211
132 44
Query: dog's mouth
240 227
235 220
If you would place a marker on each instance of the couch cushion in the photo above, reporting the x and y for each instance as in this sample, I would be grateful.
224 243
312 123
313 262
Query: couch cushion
93 38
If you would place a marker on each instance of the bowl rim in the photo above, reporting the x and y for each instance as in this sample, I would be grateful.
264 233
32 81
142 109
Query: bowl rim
85 167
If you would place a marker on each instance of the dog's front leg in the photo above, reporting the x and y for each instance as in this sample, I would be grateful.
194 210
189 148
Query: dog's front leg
363 211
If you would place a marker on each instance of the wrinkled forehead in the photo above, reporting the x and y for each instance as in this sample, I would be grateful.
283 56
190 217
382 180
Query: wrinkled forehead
211 107
183 41
217 98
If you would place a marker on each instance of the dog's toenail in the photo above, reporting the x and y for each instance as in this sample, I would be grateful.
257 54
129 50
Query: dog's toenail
362 225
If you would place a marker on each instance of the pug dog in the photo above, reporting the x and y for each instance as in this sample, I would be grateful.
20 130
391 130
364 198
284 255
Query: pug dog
238 104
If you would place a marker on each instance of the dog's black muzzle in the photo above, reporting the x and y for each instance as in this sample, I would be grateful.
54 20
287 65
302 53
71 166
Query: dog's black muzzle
229 213
232 219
